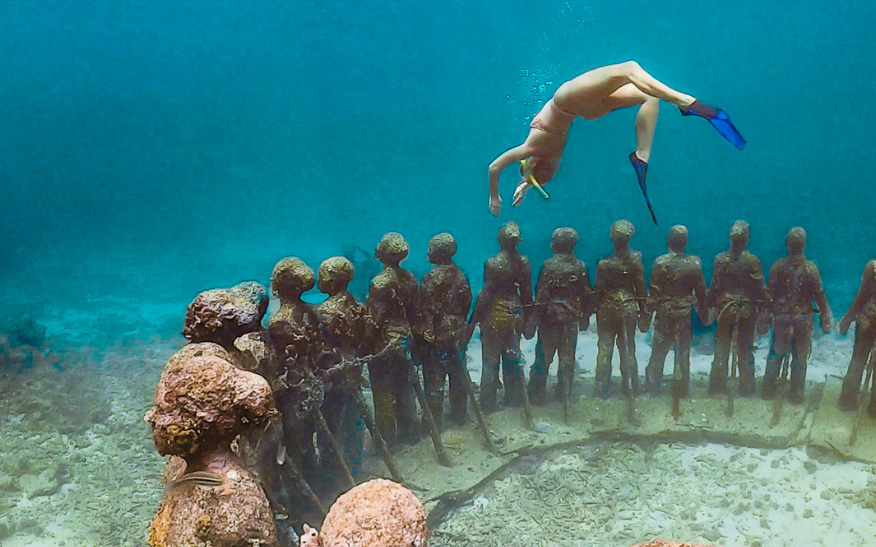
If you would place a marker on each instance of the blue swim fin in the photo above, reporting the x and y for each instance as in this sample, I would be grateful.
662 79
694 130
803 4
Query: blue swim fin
719 120
641 168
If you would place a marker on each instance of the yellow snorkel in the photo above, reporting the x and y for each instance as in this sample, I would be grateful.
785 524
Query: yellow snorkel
526 171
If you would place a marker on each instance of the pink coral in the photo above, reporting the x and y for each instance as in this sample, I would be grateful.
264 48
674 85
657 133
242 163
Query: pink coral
377 512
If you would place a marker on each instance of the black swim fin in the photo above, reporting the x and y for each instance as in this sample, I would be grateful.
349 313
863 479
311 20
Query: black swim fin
719 120
641 168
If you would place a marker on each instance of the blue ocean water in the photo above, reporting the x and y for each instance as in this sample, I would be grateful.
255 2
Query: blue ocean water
155 149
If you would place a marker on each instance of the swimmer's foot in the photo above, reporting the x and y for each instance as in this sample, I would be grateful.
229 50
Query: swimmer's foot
719 120
641 168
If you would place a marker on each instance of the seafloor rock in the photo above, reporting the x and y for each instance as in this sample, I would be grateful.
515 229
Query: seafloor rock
377 512
234 513
203 401
221 315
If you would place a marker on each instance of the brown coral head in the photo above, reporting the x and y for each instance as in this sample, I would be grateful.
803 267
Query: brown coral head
509 235
441 248
222 315
564 240
622 231
204 401
392 248
677 238
796 240
291 277
335 274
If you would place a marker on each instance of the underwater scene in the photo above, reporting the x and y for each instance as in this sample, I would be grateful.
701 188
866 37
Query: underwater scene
456 274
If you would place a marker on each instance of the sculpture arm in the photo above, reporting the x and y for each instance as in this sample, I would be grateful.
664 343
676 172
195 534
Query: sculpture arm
865 295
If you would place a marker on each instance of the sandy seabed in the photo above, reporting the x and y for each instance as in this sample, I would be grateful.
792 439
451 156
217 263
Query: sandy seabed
78 469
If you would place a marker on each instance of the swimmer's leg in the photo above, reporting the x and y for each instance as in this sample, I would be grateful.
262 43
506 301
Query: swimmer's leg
646 124
719 120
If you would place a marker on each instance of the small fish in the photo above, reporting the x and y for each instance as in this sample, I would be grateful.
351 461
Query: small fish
200 478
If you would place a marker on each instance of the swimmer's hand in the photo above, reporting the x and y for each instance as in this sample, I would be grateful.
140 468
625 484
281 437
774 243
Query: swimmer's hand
520 192
495 205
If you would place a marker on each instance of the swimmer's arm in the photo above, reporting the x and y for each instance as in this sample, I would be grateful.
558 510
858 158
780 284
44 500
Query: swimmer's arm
499 164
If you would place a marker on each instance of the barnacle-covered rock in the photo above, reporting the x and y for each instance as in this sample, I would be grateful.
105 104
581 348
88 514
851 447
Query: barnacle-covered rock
221 315
377 512
203 401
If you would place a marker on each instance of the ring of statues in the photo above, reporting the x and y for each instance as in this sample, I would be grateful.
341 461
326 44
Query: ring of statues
277 414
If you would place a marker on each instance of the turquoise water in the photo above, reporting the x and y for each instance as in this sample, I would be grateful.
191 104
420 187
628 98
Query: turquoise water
154 149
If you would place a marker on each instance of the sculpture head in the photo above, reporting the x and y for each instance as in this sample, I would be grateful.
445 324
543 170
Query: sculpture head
509 236
796 241
442 248
739 235
564 240
335 274
291 277
392 249
677 238
622 232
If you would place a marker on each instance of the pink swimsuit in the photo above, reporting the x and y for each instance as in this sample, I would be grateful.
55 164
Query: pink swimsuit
553 119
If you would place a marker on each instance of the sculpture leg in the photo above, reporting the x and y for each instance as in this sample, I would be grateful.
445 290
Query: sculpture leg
545 348
802 346
512 373
381 389
629 368
723 339
745 353
566 346
778 349
864 341
605 347
661 343
433 382
682 352
403 393
489 372
455 365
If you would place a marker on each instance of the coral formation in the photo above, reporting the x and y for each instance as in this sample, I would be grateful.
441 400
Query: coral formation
204 400
221 315
377 512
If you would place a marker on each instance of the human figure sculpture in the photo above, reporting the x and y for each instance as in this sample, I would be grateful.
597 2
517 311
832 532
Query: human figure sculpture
562 307
443 302
223 316
736 299
348 328
794 284
295 332
592 95
390 301
620 294
677 283
863 313
501 309
202 403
